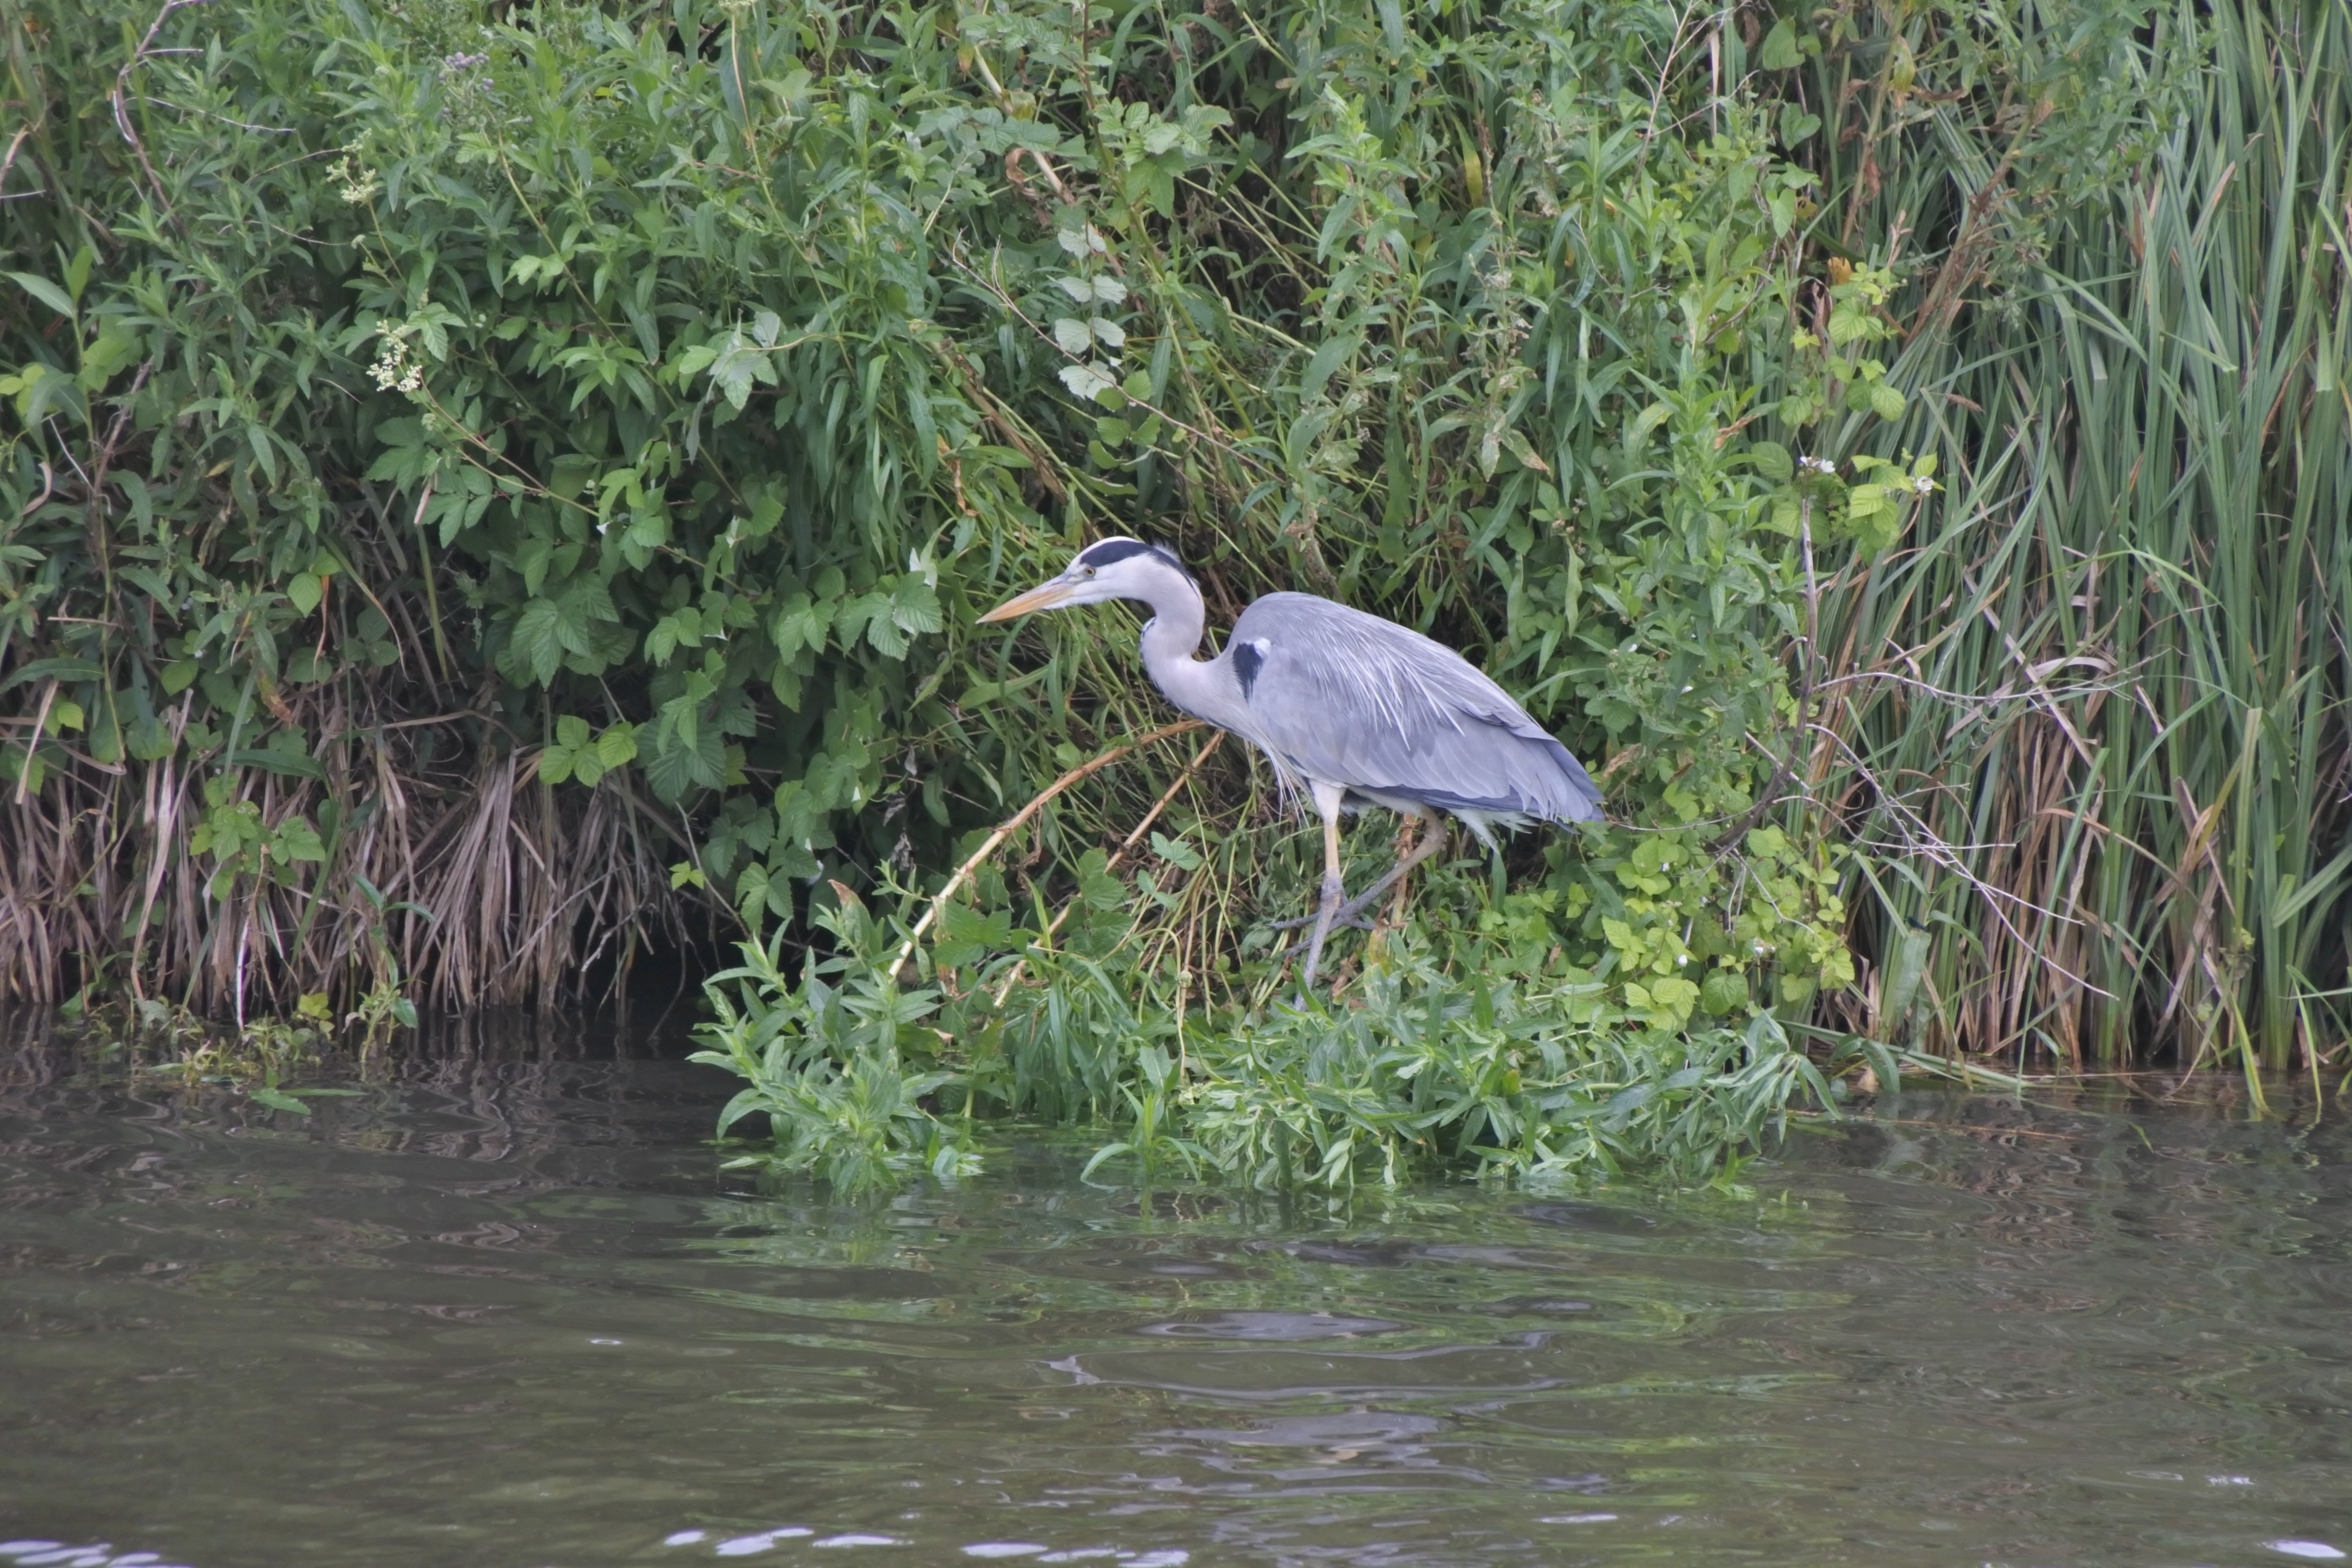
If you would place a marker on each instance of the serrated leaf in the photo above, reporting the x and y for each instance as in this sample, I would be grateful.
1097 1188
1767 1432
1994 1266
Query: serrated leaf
1772 461
1176 852
618 746
538 638
1884 400
1085 381
1673 991
684 764
915 606
1072 335
1725 991
967 936
1779 52
298 840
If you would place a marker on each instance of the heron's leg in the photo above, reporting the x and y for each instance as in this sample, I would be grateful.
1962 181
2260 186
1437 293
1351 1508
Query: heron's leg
1327 803
1433 839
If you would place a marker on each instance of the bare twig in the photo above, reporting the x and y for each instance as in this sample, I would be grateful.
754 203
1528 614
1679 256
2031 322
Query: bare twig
33 744
1012 825
48 489
120 99
8 159
1013 978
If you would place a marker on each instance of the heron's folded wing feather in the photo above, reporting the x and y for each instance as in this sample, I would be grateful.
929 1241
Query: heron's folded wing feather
1350 698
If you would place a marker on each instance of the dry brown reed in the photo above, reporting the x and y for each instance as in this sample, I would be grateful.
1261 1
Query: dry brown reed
494 888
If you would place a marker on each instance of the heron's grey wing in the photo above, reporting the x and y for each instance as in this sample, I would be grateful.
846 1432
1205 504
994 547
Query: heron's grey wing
1350 698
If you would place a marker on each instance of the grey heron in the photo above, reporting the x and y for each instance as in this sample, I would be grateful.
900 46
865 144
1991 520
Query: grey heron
1350 709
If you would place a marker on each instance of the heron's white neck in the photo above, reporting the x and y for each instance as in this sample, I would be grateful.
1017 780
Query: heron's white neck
1205 689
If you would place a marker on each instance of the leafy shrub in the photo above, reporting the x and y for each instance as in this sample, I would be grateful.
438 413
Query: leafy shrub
639 389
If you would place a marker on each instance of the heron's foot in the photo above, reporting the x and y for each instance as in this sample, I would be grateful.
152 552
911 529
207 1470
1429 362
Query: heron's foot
1344 916
1295 948
1350 914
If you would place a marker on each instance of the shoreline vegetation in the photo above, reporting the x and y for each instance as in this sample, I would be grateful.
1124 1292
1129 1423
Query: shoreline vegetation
491 496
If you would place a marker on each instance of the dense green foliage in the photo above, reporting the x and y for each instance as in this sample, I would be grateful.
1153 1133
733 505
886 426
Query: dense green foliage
694 366
486 484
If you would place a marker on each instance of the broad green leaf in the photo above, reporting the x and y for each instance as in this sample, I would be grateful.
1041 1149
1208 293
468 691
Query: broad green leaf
47 292
1333 352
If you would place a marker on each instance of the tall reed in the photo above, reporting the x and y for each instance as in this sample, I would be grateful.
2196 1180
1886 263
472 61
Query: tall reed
2113 676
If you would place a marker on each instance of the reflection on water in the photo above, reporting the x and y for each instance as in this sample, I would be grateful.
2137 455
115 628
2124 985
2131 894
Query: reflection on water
499 1311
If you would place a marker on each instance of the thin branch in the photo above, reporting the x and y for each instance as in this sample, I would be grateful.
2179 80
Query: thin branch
122 108
1012 825
1013 978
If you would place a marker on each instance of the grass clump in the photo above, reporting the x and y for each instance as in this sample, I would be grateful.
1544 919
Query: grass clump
2107 675
1471 1047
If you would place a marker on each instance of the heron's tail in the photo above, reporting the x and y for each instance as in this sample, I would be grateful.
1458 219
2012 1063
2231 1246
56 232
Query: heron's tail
1579 797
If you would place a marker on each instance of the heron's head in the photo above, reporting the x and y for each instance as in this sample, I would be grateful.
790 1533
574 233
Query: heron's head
1114 569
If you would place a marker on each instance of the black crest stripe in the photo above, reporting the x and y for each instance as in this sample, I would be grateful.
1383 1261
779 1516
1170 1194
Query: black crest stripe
1111 550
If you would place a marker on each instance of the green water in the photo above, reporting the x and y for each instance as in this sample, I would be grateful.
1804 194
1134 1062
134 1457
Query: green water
504 1312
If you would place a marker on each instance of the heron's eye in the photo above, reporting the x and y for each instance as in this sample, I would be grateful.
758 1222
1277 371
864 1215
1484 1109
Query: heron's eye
1089 571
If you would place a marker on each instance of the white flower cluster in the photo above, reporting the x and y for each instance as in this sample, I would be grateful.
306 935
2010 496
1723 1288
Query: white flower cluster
358 184
1921 485
394 371
1817 464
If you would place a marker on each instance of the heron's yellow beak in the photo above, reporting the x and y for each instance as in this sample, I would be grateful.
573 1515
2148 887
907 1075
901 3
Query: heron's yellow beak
1043 597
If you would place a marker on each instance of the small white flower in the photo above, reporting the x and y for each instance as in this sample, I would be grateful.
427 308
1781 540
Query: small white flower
357 183
1921 485
1817 464
392 370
